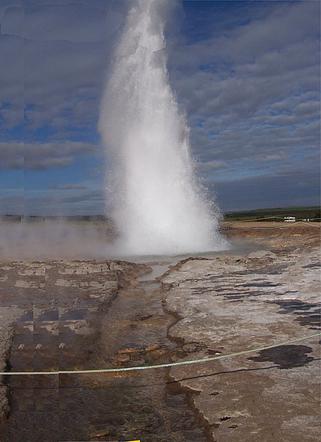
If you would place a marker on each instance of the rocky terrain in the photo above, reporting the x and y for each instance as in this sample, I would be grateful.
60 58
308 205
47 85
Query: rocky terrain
228 304
90 313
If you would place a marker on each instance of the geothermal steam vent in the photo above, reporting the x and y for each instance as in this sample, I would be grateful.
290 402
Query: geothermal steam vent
158 205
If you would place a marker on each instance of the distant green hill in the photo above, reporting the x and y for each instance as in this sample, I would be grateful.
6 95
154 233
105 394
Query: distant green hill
274 214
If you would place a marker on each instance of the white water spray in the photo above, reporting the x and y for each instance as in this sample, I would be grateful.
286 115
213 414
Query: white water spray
158 206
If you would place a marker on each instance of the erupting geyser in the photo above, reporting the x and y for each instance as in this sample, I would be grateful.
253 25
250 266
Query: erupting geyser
158 205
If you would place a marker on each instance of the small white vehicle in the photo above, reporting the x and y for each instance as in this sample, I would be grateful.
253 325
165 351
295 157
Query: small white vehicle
289 219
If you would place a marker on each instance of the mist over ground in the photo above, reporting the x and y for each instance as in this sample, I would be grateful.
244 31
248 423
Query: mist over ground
54 238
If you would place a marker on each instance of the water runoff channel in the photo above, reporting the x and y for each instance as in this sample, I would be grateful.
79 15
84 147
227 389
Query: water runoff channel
130 330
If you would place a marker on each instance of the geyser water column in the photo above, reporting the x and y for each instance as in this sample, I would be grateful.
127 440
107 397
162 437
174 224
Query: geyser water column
158 205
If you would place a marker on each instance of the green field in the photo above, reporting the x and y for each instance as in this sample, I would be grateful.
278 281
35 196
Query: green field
275 214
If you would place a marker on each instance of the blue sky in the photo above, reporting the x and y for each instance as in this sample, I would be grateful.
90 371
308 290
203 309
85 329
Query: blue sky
245 73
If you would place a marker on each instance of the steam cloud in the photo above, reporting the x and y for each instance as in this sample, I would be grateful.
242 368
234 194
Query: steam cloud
53 239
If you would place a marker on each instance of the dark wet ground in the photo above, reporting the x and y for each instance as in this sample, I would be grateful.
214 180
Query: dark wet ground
285 356
306 313
64 332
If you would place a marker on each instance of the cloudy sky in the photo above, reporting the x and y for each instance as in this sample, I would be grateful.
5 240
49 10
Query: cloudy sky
246 73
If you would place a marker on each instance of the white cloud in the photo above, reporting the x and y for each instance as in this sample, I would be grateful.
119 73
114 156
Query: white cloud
18 155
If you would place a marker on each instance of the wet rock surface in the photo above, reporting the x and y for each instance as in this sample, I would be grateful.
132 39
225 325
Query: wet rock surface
85 315
92 314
